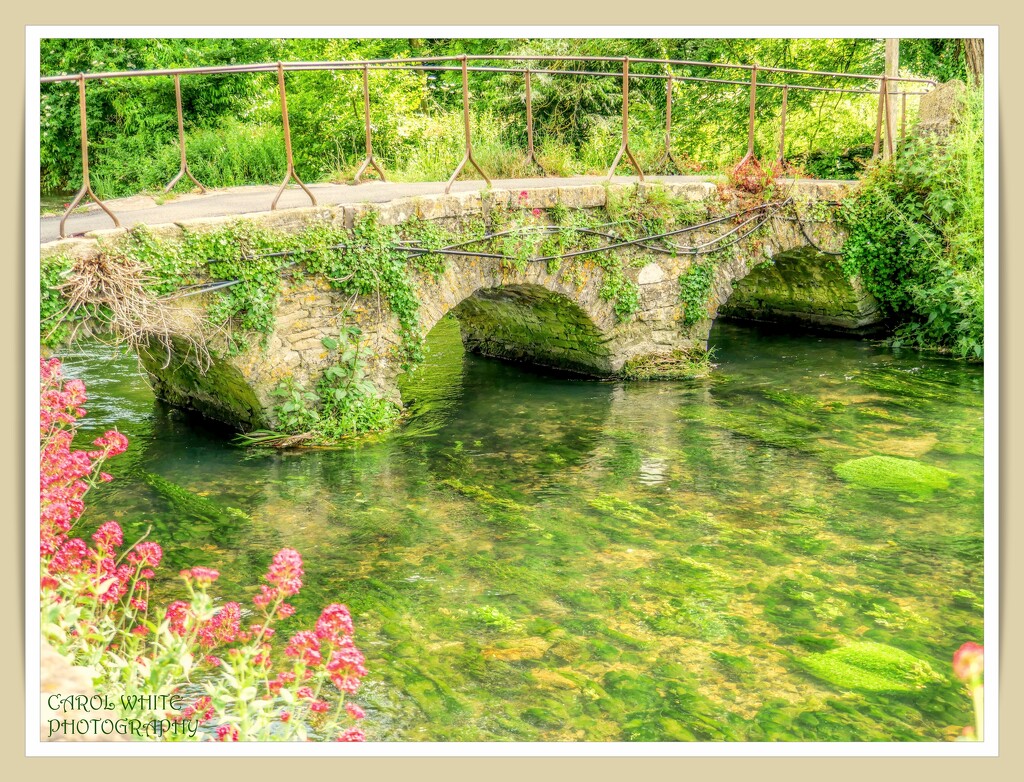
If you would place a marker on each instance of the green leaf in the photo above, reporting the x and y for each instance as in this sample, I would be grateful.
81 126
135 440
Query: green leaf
329 342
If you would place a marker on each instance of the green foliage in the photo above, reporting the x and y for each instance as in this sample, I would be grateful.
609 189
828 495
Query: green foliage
870 667
891 474
344 403
695 286
350 402
54 329
916 237
296 413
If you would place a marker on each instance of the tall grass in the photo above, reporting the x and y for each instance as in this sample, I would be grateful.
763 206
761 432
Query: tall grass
229 155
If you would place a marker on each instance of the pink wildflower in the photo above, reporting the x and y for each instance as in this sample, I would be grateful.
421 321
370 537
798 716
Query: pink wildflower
352 734
222 627
969 662
266 596
108 536
335 622
306 646
146 554
178 614
354 711
204 576
112 443
286 572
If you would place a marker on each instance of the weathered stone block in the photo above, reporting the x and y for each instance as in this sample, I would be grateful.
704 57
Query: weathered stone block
396 212
940 107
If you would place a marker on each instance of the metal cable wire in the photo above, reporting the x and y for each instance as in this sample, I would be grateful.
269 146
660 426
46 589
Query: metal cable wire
763 213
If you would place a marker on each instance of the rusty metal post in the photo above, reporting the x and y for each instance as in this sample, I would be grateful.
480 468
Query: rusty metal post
290 173
782 127
667 156
86 184
531 156
468 157
181 142
750 126
903 116
369 161
878 118
625 127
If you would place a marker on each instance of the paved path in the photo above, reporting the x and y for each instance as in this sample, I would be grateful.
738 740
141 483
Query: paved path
244 200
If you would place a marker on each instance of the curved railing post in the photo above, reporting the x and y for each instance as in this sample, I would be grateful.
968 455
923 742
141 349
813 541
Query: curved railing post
290 173
625 127
181 142
369 161
86 184
531 156
468 157
750 123
903 115
782 128
889 129
667 156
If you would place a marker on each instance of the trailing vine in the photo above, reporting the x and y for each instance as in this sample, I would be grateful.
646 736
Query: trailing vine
695 285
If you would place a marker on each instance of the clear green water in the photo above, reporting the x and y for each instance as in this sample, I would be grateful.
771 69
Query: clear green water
536 557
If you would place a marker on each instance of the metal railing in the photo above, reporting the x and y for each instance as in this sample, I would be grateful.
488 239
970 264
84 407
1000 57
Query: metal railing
884 123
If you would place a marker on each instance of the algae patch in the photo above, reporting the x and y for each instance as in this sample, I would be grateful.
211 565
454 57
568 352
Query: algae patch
891 474
191 505
870 667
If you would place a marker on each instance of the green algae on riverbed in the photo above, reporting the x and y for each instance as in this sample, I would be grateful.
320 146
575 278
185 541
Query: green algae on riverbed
890 474
534 557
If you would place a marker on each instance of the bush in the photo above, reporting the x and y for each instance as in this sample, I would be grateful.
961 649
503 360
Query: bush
194 670
916 236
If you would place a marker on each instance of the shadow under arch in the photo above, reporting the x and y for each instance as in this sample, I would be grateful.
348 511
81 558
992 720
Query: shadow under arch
806 288
532 324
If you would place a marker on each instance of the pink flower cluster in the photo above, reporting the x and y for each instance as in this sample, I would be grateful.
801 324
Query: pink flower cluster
969 663
333 639
65 475
103 575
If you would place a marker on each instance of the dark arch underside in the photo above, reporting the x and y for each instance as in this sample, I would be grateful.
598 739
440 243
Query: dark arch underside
803 287
532 324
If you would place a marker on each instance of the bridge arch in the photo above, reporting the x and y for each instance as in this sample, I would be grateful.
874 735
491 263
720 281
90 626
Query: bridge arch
802 286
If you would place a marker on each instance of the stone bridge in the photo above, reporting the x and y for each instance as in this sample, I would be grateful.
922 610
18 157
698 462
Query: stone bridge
603 314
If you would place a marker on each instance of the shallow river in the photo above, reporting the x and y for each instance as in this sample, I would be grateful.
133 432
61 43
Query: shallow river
538 557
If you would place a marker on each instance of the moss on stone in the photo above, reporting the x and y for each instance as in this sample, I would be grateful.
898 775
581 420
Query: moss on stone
870 667
891 474
218 391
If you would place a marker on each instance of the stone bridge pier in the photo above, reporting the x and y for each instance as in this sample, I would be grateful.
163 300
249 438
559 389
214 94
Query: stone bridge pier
557 315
